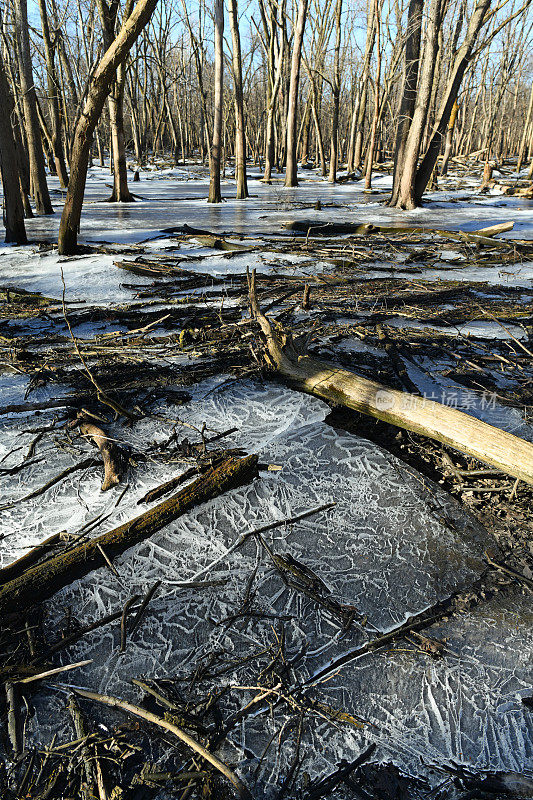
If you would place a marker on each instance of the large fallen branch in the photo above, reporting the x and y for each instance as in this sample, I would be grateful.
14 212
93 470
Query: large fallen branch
427 417
43 580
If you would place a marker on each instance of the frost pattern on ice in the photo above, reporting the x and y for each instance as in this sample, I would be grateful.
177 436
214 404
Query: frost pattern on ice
393 545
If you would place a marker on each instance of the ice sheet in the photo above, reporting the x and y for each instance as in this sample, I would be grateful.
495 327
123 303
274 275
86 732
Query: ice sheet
392 545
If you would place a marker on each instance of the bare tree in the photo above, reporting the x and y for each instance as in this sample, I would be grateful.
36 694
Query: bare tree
96 96
13 208
291 173
53 98
215 195
39 187
240 135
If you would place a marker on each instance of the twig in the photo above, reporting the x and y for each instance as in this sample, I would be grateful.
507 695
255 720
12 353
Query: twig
140 613
51 672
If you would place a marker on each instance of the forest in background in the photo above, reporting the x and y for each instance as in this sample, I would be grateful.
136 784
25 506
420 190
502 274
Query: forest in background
332 84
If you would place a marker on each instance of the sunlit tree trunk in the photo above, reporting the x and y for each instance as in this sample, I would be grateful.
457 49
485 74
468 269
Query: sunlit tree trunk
449 139
31 121
375 118
462 57
336 90
54 94
96 96
408 101
291 173
240 137
215 195
408 166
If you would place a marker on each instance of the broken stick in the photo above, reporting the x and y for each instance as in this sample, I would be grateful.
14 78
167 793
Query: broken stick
112 455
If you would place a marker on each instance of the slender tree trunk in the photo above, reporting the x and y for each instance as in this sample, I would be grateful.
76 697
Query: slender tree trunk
363 92
96 95
54 94
215 195
240 137
108 11
13 208
375 118
336 89
526 135
31 120
407 168
291 174
449 139
121 192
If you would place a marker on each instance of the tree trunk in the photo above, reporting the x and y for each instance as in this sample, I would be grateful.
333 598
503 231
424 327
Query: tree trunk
291 173
360 110
121 192
526 135
96 95
29 104
40 582
215 195
13 208
375 118
336 90
108 12
240 137
418 414
449 139
408 101
54 93
411 151
460 64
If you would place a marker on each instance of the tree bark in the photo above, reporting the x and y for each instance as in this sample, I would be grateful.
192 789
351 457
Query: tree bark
215 195
39 186
96 96
53 99
291 173
408 101
13 208
462 58
375 118
240 137
108 12
449 139
407 168
426 417
336 91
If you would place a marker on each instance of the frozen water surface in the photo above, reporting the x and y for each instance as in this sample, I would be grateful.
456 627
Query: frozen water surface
392 546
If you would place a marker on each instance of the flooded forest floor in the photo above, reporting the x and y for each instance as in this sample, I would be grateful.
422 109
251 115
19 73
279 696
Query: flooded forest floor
311 602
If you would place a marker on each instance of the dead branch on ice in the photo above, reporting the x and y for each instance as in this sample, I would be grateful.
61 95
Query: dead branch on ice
112 454
426 417
44 579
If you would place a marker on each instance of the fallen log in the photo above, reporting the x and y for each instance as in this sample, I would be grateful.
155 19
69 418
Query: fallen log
494 230
418 414
320 228
43 580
